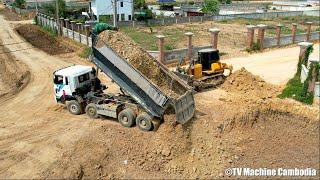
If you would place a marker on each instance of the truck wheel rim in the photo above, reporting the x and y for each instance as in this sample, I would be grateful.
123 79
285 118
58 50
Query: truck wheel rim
125 119
91 111
73 108
143 123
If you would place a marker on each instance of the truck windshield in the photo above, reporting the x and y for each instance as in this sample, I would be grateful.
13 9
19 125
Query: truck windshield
58 79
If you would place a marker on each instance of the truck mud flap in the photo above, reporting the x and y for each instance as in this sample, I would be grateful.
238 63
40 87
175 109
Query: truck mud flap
185 108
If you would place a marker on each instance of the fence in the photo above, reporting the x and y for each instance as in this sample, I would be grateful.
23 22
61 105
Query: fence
190 19
78 36
175 55
287 39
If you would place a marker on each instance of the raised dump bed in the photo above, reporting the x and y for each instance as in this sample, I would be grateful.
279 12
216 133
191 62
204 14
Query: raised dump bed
153 96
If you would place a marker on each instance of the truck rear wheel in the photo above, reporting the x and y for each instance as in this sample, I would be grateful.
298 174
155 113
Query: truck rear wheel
74 107
144 122
126 117
91 111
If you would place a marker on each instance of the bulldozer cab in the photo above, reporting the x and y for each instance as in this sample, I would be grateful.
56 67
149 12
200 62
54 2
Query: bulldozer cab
208 56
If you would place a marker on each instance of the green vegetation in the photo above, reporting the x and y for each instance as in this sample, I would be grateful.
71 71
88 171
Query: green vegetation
86 52
297 90
19 4
148 40
211 6
51 8
140 4
50 31
294 89
255 48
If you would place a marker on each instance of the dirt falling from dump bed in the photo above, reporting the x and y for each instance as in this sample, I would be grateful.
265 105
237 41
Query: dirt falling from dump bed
137 57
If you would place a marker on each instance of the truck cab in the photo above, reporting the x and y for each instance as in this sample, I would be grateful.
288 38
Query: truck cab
72 81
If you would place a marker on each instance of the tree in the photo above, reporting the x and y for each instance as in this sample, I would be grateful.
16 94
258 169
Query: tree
140 4
20 3
228 1
51 8
210 6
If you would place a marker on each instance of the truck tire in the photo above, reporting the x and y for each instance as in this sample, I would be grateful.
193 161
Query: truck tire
91 111
127 117
144 122
74 107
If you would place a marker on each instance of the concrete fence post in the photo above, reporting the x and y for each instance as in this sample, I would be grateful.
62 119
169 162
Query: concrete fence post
308 31
303 48
261 30
72 23
176 20
51 23
189 19
133 24
250 36
67 23
278 31
161 48
201 19
87 28
79 30
62 25
189 53
214 33
294 32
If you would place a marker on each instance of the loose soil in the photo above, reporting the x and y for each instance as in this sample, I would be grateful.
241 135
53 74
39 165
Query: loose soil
137 57
243 82
14 74
42 40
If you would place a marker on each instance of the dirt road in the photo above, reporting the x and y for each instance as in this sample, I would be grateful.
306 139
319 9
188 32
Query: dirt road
276 66
31 133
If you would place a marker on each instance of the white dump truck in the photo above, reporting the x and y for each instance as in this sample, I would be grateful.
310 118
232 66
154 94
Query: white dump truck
141 102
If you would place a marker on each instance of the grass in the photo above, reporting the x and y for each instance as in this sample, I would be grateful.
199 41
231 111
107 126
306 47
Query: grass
148 40
86 52
293 90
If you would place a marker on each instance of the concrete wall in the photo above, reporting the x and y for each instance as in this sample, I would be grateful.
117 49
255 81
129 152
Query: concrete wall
287 39
312 13
178 54
177 20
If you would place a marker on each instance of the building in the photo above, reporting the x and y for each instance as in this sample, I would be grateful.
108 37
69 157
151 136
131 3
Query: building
105 8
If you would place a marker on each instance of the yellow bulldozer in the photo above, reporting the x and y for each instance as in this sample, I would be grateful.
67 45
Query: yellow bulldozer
205 72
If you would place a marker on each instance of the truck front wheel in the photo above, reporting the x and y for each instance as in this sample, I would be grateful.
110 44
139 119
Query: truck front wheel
74 107
144 122
126 117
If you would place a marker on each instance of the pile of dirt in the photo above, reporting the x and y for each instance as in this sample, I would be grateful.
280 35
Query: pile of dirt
249 85
14 75
42 39
137 57
221 136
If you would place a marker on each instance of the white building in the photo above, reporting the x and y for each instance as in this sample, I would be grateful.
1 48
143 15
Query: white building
105 7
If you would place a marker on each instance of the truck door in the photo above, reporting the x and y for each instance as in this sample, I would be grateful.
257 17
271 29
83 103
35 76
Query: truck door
61 87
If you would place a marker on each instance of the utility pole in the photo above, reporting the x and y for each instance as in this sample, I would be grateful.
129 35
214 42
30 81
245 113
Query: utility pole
132 10
57 9
36 7
114 13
